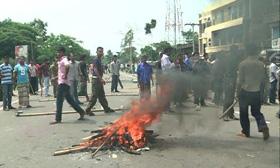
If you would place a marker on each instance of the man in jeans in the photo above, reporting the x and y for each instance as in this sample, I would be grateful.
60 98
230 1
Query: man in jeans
115 70
63 90
74 77
98 85
251 76
273 81
7 83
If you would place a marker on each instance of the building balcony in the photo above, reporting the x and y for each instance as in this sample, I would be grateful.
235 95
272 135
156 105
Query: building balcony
218 4
214 49
225 25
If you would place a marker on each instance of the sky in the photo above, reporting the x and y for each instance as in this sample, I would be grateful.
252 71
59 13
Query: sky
101 22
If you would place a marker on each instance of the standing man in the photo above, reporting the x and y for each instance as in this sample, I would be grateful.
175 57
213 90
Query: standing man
199 85
144 78
166 67
217 79
6 76
46 76
232 60
33 78
98 85
273 80
251 76
74 77
63 90
115 70
83 77
21 75
54 76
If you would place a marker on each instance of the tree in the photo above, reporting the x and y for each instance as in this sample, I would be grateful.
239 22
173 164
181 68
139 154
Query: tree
13 34
150 52
49 48
108 57
128 52
189 36
150 26
161 46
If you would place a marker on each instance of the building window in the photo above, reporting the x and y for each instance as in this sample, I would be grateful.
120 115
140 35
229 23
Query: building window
275 32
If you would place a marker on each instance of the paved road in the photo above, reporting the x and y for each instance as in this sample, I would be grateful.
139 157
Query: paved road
188 139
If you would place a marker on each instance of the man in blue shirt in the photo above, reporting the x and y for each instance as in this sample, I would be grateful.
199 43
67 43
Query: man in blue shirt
6 72
21 73
145 76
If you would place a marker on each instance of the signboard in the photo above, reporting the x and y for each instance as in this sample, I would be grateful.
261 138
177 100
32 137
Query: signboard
21 50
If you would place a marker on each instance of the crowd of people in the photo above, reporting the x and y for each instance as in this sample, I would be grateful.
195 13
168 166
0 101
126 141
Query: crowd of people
233 74
230 75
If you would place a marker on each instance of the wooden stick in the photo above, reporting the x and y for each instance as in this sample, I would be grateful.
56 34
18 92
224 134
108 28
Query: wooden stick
228 109
105 141
20 114
70 150
117 94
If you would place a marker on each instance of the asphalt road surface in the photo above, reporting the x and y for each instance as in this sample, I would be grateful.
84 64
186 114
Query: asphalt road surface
188 138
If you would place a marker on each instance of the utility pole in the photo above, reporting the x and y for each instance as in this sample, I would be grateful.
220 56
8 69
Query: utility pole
175 23
193 24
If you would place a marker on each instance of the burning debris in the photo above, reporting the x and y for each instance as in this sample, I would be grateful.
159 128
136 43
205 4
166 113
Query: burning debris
127 133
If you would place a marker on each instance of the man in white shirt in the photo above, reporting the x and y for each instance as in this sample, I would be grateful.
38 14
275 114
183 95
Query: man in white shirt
115 70
273 80
74 77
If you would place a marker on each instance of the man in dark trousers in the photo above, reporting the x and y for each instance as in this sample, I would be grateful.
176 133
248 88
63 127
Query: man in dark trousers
98 85
63 90
199 82
251 76
230 77
144 78
115 70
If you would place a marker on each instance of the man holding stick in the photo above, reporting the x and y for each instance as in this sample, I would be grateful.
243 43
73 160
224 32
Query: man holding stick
251 76
63 90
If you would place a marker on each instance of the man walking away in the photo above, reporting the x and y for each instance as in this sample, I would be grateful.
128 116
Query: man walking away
46 76
54 76
73 77
98 85
6 72
145 76
83 77
63 90
33 77
115 70
273 80
21 75
251 76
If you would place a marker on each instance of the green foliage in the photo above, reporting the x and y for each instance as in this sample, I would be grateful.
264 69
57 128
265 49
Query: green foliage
108 57
128 52
14 33
150 52
34 34
49 47
161 46
189 36
150 26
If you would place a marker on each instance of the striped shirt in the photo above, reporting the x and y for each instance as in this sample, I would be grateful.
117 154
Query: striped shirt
6 73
